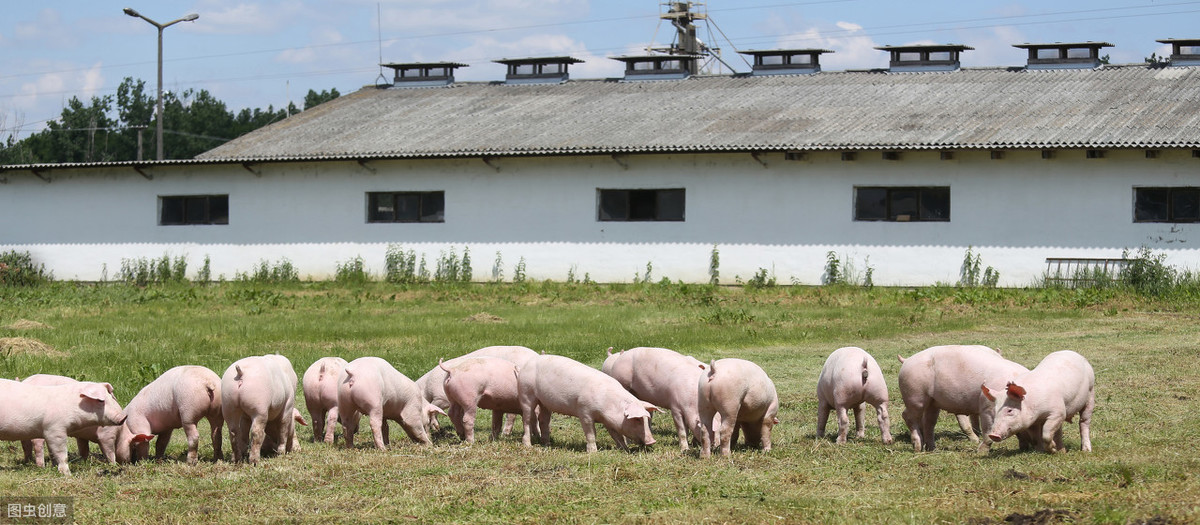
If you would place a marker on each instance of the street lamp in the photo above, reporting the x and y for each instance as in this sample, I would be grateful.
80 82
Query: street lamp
159 130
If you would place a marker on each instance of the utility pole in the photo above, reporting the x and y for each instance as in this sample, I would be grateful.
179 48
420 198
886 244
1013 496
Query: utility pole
159 129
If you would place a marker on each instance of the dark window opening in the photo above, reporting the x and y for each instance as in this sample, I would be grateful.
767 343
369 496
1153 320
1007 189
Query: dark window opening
407 206
193 209
641 205
902 204
1166 204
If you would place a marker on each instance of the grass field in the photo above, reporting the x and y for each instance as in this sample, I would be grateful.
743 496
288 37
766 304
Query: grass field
1144 468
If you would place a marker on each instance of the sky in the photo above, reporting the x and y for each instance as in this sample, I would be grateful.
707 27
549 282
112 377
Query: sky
254 54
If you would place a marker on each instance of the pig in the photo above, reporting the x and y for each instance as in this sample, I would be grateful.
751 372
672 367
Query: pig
372 386
431 384
552 383
948 378
480 382
53 412
104 436
735 393
179 398
1059 387
663 377
850 379
320 386
258 393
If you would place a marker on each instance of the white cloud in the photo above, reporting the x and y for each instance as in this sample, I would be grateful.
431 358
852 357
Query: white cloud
318 48
92 81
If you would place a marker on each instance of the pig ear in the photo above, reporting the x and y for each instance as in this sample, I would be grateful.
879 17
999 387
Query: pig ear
142 438
94 391
987 392
609 351
1015 390
635 410
434 409
650 407
109 387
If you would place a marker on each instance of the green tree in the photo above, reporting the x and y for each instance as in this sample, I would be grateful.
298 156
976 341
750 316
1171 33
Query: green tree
313 98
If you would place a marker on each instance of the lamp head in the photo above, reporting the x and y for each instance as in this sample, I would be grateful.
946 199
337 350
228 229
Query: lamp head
129 11
191 17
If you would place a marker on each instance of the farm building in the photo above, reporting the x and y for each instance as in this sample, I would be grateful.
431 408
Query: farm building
1058 163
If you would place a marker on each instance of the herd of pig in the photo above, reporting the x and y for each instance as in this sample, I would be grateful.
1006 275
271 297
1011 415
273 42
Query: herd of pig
712 402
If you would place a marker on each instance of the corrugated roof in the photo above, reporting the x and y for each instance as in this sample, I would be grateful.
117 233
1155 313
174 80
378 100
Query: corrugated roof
986 108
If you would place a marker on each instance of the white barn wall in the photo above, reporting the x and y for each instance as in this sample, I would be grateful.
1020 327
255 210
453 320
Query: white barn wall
784 217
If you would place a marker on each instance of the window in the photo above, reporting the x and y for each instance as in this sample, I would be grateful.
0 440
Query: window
1166 204
406 206
641 205
193 209
902 204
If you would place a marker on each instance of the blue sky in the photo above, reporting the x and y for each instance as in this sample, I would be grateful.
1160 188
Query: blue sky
258 53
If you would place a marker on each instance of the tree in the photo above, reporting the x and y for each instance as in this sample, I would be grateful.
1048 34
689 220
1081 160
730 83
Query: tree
313 98
1154 59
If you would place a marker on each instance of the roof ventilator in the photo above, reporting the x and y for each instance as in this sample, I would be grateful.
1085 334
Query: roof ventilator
923 58
1184 51
1080 55
786 61
539 70
658 67
424 74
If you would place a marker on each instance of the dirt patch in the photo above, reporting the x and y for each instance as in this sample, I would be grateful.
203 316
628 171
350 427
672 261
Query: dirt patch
14 346
1041 517
484 317
26 324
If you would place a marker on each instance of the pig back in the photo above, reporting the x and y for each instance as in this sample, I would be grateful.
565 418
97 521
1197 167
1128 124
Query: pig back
663 377
951 375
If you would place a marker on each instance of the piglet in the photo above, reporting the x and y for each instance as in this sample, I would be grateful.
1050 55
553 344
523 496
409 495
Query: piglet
320 386
105 436
432 383
551 383
1058 388
258 393
948 378
663 377
735 393
850 379
54 412
179 398
480 382
372 386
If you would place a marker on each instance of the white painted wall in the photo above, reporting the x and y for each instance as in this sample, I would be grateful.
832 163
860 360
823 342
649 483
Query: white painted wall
784 217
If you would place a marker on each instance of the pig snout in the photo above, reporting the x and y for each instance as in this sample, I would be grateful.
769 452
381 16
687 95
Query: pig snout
995 437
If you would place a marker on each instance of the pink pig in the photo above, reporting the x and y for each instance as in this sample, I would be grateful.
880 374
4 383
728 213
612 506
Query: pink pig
551 383
259 394
372 386
54 412
480 382
948 378
104 436
320 386
735 394
663 377
179 398
432 383
1057 389
850 379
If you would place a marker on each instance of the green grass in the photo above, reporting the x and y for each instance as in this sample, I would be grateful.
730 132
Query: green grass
1144 429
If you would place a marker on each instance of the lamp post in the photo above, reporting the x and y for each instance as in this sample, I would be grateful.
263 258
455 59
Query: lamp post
158 136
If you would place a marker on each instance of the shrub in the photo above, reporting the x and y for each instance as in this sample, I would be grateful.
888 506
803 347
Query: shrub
1147 273
18 269
281 272
352 271
143 271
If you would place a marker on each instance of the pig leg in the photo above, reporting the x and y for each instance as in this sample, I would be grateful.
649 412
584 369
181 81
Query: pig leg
860 431
509 421
34 451
258 434
108 449
885 422
617 437
331 418
349 427
754 434
375 419
387 433
966 423
416 433
1085 423
58 452
1052 433
589 433
319 422
456 414
498 423
84 448
543 419
912 418
215 421
160 445
528 423
843 424
822 417
728 427
680 429
192 434
927 423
